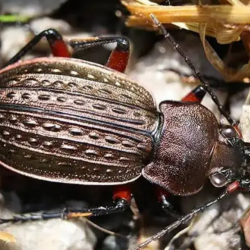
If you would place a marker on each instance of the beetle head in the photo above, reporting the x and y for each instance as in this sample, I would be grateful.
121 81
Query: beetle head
228 159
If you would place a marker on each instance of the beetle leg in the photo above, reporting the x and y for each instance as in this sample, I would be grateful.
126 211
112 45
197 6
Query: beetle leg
119 206
122 197
167 207
118 59
196 95
57 45
68 213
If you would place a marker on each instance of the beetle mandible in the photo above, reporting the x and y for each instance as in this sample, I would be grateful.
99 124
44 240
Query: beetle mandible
72 121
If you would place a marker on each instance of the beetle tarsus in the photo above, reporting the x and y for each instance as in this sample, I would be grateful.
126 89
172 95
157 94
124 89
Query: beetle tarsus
120 206
68 213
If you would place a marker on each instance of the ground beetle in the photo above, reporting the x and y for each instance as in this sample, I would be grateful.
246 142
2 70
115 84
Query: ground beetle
71 121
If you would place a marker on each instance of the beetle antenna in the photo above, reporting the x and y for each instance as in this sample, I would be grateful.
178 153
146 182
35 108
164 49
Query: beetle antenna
196 72
182 220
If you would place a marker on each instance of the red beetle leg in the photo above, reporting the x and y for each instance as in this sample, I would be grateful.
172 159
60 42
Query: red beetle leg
122 193
118 59
196 95
236 127
161 193
57 45
233 187
122 197
59 48
163 198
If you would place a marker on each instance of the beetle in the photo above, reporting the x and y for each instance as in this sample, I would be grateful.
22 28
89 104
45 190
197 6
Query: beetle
71 121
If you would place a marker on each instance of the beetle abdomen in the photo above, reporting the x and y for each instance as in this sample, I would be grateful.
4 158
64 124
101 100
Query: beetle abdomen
72 121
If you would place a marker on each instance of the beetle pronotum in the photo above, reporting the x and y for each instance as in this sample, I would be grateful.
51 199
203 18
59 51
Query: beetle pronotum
71 121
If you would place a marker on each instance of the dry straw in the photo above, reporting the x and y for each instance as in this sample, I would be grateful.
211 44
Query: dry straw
227 22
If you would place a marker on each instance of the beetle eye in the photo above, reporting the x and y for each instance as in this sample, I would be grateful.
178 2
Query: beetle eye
228 132
218 179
